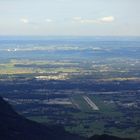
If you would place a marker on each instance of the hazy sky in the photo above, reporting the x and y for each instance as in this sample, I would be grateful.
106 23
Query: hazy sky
70 17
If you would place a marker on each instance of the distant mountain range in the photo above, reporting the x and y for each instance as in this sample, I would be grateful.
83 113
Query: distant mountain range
15 127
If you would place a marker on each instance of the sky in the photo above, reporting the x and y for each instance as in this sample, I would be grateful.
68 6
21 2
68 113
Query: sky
70 17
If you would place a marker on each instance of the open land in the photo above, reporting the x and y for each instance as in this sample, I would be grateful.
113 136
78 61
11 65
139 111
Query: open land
89 90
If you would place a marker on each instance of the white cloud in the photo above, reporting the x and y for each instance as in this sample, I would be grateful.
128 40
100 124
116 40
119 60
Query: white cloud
107 19
35 22
24 20
77 18
88 21
48 20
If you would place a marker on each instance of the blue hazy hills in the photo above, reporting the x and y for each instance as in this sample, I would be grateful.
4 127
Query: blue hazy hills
69 47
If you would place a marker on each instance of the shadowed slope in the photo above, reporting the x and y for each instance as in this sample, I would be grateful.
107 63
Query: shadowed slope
16 127
107 137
